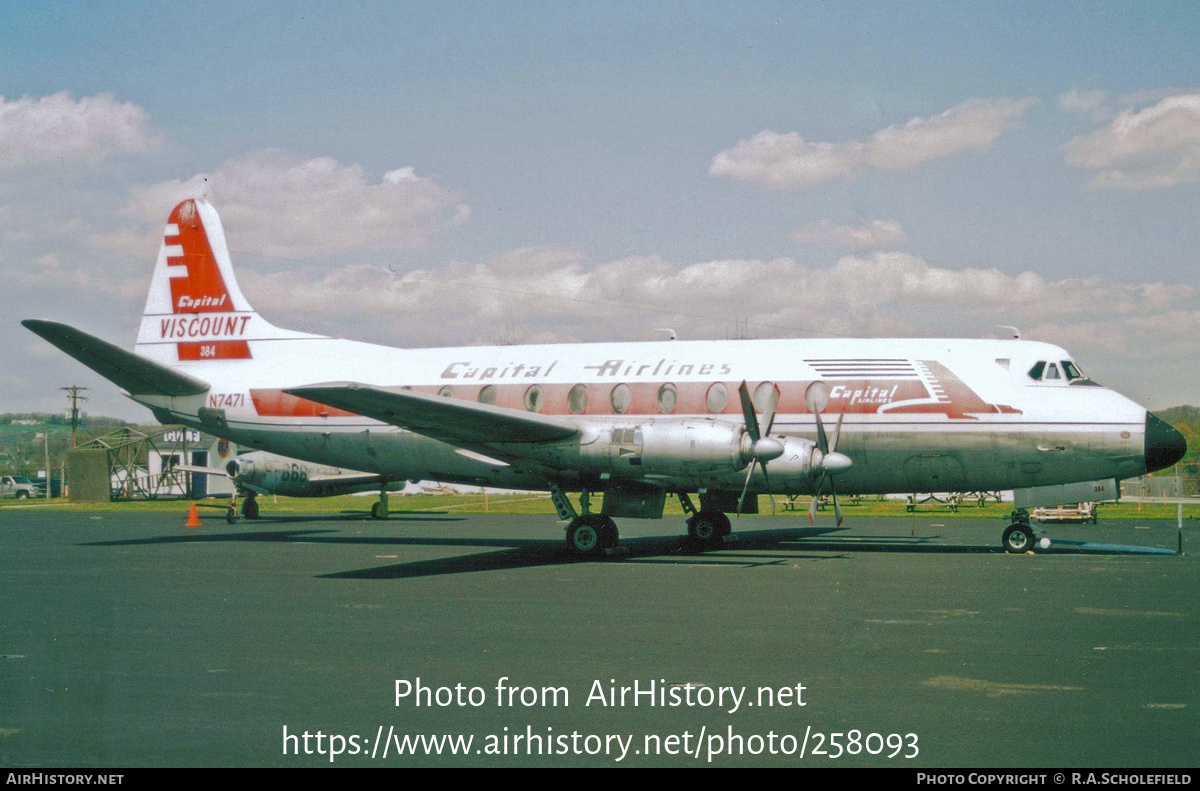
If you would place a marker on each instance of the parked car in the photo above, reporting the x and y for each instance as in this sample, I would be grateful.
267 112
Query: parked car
55 487
19 487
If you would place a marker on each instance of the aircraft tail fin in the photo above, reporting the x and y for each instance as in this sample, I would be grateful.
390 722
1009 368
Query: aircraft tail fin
195 311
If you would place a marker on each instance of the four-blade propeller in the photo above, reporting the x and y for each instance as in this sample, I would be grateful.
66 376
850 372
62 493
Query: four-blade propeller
763 447
826 458
759 447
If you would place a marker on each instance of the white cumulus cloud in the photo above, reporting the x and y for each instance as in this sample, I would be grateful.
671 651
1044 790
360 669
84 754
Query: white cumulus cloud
788 161
874 235
279 204
1158 146
59 128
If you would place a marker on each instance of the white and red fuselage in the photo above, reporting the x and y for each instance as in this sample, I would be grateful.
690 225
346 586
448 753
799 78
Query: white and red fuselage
918 414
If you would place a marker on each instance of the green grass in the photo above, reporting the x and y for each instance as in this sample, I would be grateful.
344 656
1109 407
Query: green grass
540 504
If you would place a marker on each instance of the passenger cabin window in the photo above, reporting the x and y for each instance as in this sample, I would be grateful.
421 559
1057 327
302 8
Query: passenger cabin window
1035 373
577 399
620 398
667 398
716 398
533 399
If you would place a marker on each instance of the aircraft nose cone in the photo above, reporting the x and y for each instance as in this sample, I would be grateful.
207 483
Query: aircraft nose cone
1164 445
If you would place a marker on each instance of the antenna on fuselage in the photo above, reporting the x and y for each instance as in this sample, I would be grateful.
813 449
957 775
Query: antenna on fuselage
667 330
1016 332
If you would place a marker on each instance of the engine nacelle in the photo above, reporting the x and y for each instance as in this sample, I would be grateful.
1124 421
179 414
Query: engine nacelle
678 447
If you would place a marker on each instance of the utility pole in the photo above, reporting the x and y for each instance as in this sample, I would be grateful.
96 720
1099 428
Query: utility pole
73 394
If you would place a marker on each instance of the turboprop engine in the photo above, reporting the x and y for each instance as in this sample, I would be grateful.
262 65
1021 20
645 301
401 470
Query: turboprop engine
691 447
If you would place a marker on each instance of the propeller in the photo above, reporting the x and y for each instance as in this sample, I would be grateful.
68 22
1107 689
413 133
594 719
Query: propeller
763 447
830 462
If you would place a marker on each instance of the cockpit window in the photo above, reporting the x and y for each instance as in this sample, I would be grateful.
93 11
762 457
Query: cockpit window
1070 369
1052 372
1035 372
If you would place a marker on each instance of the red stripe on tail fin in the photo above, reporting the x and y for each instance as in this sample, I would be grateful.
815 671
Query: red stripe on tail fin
195 278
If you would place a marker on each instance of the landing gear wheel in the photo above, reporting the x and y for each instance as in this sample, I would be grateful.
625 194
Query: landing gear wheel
583 537
708 529
591 535
1017 539
231 515
377 512
249 508
609 537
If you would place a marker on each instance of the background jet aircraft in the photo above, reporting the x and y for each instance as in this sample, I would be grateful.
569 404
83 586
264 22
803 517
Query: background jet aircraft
260 472
635 421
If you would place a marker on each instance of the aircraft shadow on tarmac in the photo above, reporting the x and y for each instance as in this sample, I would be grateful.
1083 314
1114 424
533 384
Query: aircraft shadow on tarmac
752 548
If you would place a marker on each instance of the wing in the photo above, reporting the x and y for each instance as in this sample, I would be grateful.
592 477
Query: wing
448 419
197 470
126 370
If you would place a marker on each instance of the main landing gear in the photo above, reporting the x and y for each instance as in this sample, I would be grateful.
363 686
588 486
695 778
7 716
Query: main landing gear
591 534
588 535
705 528
249 507
1018 537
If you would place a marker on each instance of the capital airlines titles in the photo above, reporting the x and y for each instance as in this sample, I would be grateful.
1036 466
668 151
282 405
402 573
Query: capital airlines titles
622 368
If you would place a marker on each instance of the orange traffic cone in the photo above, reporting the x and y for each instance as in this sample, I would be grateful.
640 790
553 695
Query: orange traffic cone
193 517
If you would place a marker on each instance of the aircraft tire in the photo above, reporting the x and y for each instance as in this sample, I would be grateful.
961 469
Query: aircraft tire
250 508
609 537
231 516
583 537
375 514
708 528
1017 539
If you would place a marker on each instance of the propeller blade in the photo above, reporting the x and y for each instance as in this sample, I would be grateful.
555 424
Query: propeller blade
749 474
768 482
748 411
812 507
837 433
822 440
837 509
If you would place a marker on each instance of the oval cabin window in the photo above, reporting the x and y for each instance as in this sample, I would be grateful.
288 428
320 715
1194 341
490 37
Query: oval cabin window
667 398
621 398
577 399
716 398
534 399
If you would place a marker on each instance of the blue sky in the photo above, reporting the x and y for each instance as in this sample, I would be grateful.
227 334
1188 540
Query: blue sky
889 168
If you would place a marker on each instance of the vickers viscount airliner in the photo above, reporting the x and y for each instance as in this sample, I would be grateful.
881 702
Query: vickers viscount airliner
726 420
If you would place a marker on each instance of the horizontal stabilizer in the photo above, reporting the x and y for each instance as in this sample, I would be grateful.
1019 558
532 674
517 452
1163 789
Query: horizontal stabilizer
125 369
449 419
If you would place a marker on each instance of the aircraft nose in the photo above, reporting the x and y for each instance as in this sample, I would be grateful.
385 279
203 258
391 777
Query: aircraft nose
1164 445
